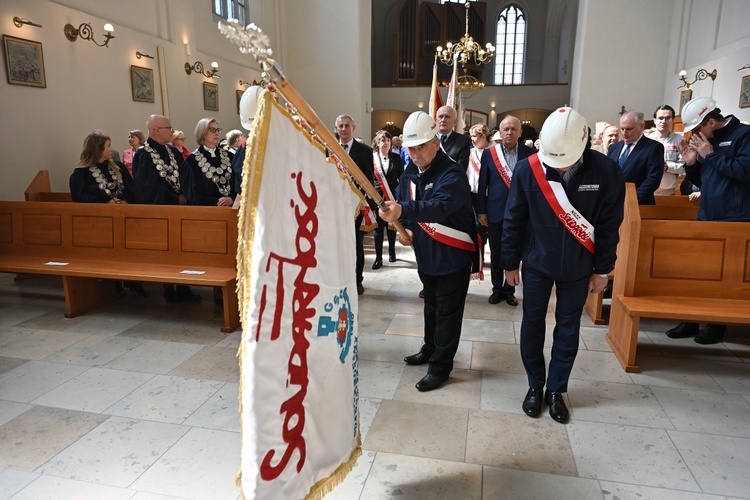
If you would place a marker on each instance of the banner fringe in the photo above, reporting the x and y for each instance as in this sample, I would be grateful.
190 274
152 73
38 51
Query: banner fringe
325 486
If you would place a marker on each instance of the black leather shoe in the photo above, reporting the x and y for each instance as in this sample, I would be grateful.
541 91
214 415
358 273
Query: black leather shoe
419 358
421 294
185 293
532 403
511 300
360 289
557 409
430 382
377 264
392 258
683 330
607 292
713 334
495 298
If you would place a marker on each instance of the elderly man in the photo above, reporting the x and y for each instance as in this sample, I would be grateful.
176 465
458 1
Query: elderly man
455 144
565 181
156 170
717 160
498 162
640 158
663 119
434 204
362 156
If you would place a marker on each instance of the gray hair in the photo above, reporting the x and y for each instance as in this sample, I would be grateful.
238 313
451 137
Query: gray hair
232 137
202 127
638 116
341 117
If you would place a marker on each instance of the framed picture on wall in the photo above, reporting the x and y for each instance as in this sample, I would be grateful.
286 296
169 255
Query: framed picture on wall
239 98
473 117
745 92
24 62
210 96
142 84
685 96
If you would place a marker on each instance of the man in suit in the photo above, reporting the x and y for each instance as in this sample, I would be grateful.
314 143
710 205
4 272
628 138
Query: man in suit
455 144
641 158
362 156
498 163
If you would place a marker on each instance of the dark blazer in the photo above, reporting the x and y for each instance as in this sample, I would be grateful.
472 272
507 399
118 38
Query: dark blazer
362 156
644 166
493 193
457 146
394 173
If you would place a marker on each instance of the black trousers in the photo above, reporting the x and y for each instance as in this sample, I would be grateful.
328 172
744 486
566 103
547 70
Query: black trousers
499 285
360 238
571 296
444 300
383 227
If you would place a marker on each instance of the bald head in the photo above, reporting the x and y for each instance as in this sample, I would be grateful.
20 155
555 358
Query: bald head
159 129
510 131
447 118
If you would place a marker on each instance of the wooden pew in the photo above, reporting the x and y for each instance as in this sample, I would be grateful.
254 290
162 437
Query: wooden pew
98 242
685 270
40 190
667 207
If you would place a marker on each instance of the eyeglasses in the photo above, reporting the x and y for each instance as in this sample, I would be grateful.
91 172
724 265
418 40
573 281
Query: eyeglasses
214 130
169 128
178 139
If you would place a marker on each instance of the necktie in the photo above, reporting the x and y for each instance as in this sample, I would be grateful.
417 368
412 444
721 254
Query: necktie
624 154
346 147
443 138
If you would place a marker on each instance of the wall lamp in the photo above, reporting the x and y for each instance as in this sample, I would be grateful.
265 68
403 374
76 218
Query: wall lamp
86 33
746 66
254 83
20 21
141 55
701 74
198 68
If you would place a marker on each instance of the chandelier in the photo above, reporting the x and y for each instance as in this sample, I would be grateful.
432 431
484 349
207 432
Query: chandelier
470 85
467 51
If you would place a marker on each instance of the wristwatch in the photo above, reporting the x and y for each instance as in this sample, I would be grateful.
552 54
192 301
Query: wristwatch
605 276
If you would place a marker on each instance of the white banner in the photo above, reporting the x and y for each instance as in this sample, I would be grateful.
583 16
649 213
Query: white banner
298 300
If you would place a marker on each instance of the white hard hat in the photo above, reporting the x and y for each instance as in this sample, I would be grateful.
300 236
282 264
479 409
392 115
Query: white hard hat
563 138
496 137
418 129
249 106
695 110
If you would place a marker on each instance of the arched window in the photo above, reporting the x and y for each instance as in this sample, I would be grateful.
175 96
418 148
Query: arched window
511 46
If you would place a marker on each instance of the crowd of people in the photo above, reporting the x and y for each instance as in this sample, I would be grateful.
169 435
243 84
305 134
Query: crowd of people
159 170
551 209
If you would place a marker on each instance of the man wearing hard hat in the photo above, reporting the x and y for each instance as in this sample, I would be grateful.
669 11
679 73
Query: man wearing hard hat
717 160
562 216
434 205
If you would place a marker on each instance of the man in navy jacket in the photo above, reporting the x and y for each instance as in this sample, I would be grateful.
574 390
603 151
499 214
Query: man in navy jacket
568 182
434 205
493 195
641 158
717 160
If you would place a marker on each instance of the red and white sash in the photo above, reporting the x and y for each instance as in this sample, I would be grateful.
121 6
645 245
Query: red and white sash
581 229
444 234
380 178
506 174
474 167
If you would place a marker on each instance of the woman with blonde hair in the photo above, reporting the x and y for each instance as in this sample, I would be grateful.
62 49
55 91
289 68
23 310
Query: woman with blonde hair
208 170
97 178
178 141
